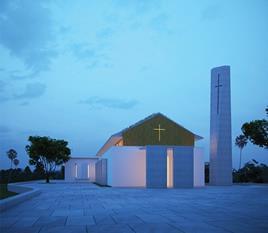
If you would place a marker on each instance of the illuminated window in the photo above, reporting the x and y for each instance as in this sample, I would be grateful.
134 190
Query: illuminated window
170 168
119 143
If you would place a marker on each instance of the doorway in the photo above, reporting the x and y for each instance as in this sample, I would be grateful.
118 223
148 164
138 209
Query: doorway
82 171
169 168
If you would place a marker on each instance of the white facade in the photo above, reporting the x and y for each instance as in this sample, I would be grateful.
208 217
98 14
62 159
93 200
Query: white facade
220 127
199 167
80 169
153 165
126 166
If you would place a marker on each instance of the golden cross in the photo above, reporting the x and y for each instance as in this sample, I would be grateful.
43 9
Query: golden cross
159 132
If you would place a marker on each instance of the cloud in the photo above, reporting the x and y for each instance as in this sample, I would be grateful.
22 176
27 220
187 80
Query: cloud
3 96
4 99
98 102
32 90
27 32
2 85
92 56
29 75
82 51
24 103
4 129
105 33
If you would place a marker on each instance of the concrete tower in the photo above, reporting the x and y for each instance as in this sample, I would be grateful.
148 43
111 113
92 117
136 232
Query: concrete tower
220 127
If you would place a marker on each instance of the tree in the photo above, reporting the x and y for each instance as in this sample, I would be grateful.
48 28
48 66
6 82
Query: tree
27 173
253 171
241 141
257 131
39 172
16 163
48 152
11 154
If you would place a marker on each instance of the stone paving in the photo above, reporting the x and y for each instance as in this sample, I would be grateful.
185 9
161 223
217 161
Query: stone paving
85 208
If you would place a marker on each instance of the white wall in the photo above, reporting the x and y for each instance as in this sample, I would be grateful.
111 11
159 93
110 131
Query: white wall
82 165
199 167
101 171
126 166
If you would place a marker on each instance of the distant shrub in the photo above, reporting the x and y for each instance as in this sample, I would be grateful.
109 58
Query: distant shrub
18 174
253 171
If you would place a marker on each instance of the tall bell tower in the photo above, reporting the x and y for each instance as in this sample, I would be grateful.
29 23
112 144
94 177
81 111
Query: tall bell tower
220 127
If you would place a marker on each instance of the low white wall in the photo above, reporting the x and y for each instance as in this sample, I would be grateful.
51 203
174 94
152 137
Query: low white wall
126 166
24 193
101 171
199 167
82 173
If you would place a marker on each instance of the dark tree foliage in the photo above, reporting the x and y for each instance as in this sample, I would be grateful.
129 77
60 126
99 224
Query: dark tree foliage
16 162
257 131
19 175
11 154
241 141
39 171
48 152
28 172
253 171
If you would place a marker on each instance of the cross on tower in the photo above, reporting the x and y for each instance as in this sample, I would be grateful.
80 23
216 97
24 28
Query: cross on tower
218 96
159 132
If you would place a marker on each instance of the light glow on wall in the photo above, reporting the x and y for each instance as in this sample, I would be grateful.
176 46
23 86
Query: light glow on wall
170 168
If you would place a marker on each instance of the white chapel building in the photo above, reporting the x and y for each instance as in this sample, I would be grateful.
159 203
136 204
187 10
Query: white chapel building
156 152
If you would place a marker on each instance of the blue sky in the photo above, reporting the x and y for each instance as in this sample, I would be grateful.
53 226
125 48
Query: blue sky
83 70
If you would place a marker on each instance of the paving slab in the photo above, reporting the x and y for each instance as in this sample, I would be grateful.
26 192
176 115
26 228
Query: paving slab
120 218
18 229
154 227
83 207
6 222
68 212
80 220
26 221
104 219
51 221
198 227
113 228
153 218
64 229
245 227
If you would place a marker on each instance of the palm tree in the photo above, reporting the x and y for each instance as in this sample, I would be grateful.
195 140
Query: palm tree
11 154
241 141
16 163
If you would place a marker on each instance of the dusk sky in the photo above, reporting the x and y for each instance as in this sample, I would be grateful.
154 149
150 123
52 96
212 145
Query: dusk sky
83 70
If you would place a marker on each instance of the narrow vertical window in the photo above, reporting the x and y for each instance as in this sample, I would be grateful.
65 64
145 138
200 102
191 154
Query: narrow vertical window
170 168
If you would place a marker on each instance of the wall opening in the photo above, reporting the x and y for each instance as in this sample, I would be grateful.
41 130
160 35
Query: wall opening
170 168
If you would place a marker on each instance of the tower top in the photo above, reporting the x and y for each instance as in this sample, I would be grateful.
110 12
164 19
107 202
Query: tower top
220 69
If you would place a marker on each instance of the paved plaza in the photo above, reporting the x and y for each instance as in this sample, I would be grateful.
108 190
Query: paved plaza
85 208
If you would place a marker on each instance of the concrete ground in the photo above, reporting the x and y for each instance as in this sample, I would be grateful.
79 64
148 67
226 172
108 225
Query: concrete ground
85 208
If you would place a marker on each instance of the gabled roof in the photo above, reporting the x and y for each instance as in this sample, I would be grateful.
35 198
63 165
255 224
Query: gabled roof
115 138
